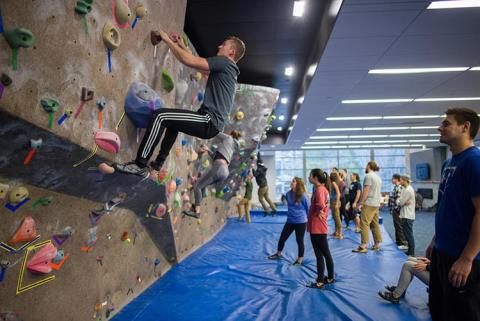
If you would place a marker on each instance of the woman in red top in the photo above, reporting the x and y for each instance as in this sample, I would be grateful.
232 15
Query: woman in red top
318 228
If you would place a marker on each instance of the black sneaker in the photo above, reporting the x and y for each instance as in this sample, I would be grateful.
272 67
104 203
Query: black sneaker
191 214
389 297
392 288
131 168
274 213
274 257
156 165
326 280
297 263
265 214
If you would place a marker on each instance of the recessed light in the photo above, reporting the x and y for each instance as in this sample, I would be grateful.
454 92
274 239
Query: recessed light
311 70
298 8
300 99
289 71
294 117
454 4
281 117
279 128
377 101
290 128
284 100
415 70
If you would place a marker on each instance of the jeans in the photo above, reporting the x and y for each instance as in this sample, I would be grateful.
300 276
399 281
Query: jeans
406 277
407 226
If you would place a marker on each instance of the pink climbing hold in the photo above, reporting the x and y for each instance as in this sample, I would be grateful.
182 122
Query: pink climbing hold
108 141
161 210
40 262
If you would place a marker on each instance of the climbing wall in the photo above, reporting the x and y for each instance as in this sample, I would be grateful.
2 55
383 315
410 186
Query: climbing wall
61 63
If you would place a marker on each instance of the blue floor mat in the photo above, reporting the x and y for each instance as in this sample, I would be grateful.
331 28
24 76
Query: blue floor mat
230 279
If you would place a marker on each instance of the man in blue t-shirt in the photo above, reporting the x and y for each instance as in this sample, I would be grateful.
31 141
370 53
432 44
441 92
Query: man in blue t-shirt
204 123
455 261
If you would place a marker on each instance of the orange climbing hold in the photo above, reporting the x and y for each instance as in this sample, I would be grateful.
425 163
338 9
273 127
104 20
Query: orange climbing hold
26 232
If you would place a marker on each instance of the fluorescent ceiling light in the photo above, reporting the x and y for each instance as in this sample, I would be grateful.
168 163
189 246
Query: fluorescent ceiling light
334 8
447 99
311 70
374 136
294 117
377 101
300 99
281 117
415 70
279 128
374 128
373 142
364 146
414 135
385 128
355 118
475 68
298 8
284 100
337 129
289 71
386 117
454 4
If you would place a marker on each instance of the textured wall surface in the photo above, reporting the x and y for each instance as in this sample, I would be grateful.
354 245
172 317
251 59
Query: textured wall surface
63 59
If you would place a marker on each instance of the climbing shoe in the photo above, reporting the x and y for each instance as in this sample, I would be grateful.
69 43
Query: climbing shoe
191 214
389 296
131 168
274 257
156 165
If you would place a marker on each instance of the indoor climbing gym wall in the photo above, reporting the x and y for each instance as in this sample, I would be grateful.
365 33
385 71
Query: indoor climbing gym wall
79 80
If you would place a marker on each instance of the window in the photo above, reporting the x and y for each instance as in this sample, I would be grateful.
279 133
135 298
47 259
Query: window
299 163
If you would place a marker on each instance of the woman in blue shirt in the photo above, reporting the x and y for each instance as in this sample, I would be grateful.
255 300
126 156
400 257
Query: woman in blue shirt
297 202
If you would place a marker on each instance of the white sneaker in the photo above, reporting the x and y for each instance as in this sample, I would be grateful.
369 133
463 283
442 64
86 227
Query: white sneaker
402 247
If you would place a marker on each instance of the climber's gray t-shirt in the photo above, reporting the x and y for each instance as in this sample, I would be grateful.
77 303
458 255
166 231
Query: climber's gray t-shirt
220 90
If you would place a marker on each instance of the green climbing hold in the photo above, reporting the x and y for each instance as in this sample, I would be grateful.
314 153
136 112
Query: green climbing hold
49 105
43 201
19 38
219 194
167 81
83 6
242 167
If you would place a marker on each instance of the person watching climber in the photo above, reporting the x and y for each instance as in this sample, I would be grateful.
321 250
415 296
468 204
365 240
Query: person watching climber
261 178
204 123
227 145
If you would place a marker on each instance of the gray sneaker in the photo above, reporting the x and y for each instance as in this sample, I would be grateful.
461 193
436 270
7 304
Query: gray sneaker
131 168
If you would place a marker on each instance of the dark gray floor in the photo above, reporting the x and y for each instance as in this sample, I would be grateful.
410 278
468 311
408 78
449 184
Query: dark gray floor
423 229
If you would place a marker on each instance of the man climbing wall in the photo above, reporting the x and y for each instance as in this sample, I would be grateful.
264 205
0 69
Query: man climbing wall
205 123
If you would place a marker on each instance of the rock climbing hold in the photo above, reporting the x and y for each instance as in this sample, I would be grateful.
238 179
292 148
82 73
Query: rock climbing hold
108 141
184 141
140 11
62 236
181 90
40 262
111 36
171 186
178 181
87 94
125 237
19 38
83 7
59 257
155 37
167 81
45 201
5 80
3 191
18 194
141 101
50 106
123 15
161 210
106 169
239 115
26 232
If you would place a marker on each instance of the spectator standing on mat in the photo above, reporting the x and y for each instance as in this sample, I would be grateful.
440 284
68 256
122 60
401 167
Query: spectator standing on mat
204 123
345 193
296 219
245 203
414 266
261 177
370 207
455 268
395 212
406 201
318 227
354 193
335 203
